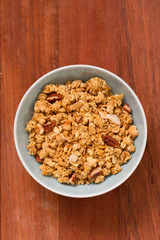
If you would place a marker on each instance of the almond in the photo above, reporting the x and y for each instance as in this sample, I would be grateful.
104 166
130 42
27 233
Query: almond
127 108
112 117
53 97
103 114
114 159
73 158
95 172
77 105
73 179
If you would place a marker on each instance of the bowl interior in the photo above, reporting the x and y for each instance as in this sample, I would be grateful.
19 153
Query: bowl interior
25 111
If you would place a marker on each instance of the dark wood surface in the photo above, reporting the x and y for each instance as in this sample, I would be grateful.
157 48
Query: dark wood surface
121 36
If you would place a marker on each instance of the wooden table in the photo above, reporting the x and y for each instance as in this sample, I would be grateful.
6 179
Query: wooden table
121 36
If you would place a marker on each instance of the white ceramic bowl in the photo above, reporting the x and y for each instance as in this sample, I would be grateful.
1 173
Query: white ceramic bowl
25 111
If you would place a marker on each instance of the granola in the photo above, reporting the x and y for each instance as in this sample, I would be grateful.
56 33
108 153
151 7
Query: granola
81 132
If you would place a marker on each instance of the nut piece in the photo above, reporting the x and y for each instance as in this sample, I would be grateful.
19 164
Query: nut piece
77 105
103 114
49 127
53 97
112 117
127 108
110 141
38 159
39 129
73 179
73 158
95 172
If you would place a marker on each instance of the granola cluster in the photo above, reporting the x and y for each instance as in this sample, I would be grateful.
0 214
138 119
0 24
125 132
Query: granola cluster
80 132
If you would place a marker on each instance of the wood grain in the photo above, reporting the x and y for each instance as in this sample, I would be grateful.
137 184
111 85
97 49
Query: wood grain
28 45
121 36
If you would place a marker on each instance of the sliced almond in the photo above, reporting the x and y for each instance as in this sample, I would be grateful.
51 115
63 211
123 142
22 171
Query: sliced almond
103 114
75 164
114 159
77 105
112 117
73 179
127 108
73 158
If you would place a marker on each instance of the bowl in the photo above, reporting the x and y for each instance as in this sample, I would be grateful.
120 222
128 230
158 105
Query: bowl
25 111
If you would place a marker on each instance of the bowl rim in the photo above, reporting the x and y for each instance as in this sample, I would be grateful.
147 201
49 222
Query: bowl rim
16 137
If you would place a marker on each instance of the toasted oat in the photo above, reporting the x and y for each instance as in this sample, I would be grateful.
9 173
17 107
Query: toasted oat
39 129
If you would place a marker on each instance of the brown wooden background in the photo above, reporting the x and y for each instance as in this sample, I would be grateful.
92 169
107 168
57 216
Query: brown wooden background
119 35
